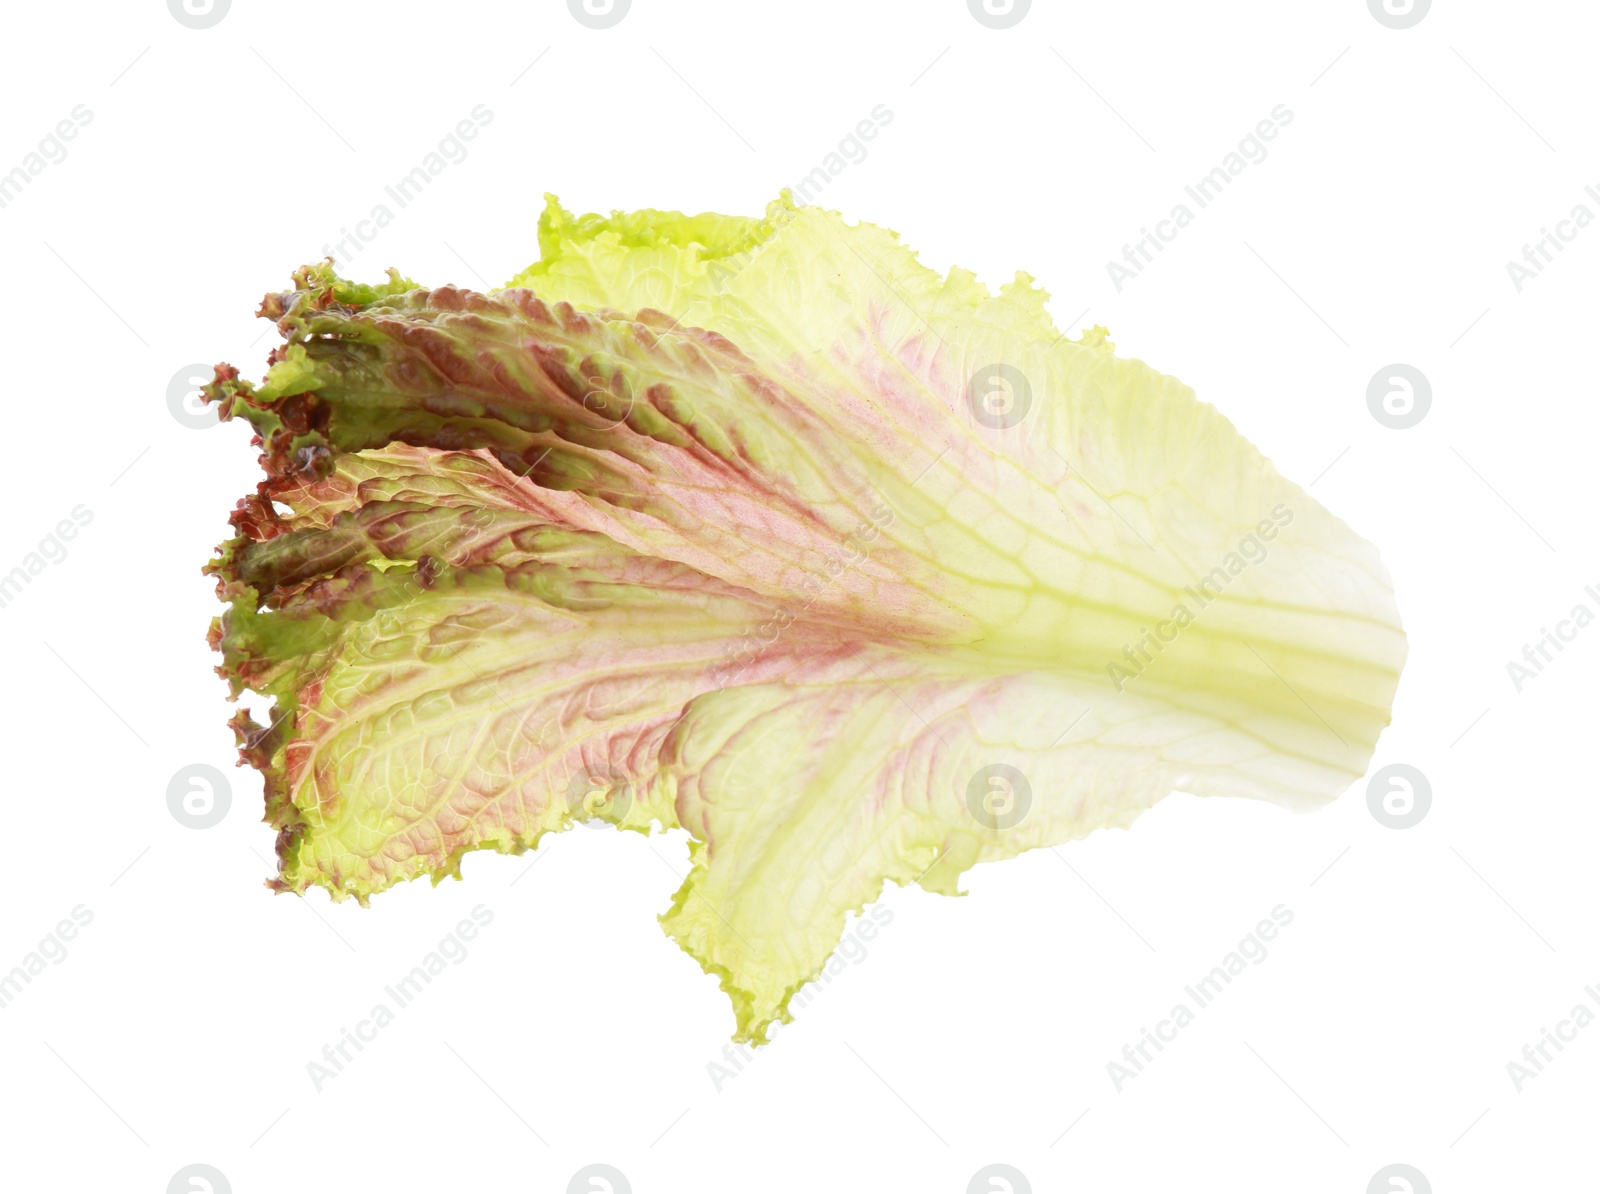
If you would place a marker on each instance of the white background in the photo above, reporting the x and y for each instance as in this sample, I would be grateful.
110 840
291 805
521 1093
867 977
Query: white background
977 1030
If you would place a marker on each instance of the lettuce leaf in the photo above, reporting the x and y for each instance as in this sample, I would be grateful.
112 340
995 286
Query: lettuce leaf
760 529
